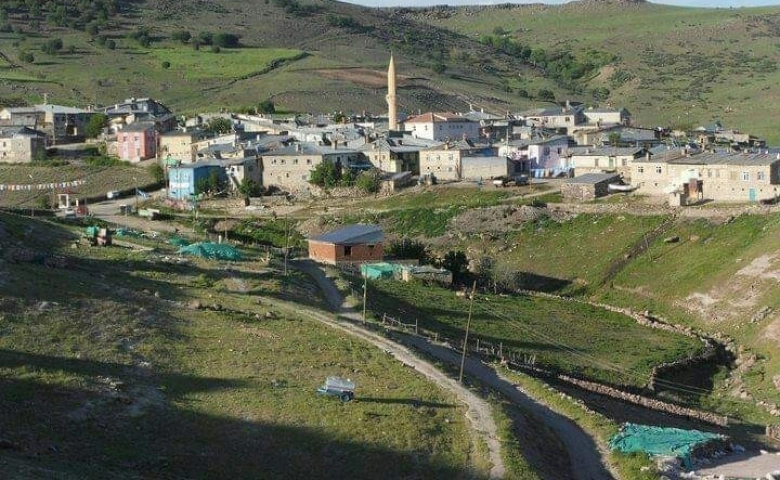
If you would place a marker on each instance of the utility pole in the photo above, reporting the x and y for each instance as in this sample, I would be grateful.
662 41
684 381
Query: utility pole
365 291
466 340
286 242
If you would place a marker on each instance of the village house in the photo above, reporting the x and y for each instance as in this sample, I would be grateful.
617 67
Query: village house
185 180
134 110
604 159
290 167
350 245
21 145
396 153
724 177
60 124
607 116
562 119
137 142
441 127
181 146
540 157
461 160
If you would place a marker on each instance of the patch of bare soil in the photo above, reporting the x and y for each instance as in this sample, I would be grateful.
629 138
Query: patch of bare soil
361 76
495 219
740 298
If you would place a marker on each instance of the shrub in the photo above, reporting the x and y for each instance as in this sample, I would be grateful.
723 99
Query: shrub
52 46
166 65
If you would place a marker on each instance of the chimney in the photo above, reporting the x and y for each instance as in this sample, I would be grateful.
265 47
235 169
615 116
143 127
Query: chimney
297 147
568 105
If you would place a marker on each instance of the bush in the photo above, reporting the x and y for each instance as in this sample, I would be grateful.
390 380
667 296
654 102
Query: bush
545 94
182 36
226 40
27 57
52 46
166 65
368 182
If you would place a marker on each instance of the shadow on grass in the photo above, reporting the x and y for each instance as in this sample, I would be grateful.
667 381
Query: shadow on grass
405 401
85 432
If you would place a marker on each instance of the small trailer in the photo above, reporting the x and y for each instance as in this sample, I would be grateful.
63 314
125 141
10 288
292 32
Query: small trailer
344 388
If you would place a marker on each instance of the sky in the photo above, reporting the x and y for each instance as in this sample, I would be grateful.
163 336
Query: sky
687 3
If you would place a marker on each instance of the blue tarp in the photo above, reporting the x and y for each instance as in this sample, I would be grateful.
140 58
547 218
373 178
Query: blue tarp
660 441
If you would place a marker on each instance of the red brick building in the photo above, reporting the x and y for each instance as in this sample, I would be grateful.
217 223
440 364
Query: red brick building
349 245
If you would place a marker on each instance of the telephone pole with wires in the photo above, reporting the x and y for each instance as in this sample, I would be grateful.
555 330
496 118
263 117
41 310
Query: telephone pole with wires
466 340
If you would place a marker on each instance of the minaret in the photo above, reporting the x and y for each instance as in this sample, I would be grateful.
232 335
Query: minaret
392 114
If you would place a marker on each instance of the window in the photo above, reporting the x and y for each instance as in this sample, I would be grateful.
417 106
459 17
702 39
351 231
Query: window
295 161
282 161
659 169
709 173
347 250
745 176
624 162
640 169
596 162
308 161
760 176
273 161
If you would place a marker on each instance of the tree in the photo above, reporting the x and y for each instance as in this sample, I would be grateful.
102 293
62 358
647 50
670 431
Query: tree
220 125
205 38
545 94
166 65
408 248
457 263
325 175
614 139
266 106
95 125
226 40
368 182
157 171
182 36
250 188
52 46
27 57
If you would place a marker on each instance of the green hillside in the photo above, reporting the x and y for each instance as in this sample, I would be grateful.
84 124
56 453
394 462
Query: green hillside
669 66
673 66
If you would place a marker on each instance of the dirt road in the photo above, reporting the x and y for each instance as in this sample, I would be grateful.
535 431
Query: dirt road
587 460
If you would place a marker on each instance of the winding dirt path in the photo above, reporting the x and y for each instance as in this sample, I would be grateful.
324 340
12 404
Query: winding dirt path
587 458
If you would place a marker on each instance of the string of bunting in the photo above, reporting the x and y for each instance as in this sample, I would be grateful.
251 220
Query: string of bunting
40 186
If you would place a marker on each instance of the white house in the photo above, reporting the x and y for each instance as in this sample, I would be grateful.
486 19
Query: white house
442 127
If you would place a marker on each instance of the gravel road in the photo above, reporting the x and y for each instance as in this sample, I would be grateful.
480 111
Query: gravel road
587 459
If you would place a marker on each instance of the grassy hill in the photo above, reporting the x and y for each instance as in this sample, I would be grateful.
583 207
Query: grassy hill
669 66
128 363
672 66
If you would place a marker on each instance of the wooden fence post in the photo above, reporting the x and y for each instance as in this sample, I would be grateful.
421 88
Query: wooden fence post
477 344
416 322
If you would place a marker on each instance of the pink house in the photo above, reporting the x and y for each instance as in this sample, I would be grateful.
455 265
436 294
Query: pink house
137 141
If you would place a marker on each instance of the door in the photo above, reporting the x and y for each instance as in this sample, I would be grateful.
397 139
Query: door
752 194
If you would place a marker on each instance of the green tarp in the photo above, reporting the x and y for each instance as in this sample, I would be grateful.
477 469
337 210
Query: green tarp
178 241
218 251
661 441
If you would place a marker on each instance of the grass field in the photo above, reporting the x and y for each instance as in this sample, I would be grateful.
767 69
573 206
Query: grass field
107 370
97 181
564 336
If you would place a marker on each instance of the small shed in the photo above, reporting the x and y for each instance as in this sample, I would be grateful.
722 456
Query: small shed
349 245
588 186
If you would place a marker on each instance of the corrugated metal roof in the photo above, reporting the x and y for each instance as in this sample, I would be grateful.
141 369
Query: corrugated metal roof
352 235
